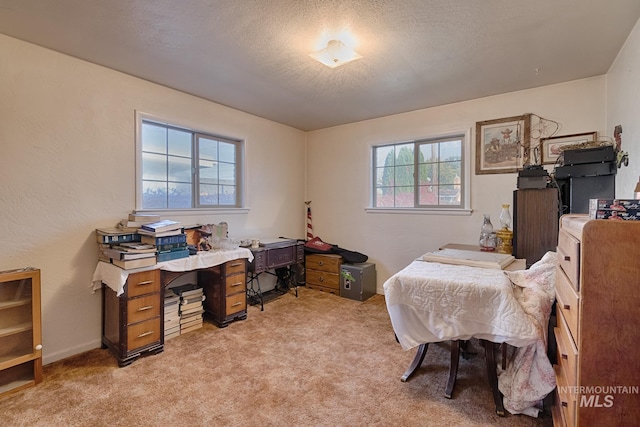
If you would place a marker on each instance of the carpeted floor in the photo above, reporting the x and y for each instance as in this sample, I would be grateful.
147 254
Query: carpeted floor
315 360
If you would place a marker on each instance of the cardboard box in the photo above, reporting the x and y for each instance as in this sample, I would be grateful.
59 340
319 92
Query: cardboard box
627 209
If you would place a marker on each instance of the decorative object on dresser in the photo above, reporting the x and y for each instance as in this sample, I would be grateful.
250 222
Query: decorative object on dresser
133 322
226 296
597 300
20 330
535 223
323 272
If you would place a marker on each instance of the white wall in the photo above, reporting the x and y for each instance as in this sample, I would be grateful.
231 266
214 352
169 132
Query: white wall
623 108
67 166
338 173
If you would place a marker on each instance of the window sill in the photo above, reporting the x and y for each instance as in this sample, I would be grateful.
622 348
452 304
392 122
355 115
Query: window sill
421 211
193 211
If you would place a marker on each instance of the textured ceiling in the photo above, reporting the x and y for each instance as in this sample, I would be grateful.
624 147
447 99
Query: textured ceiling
253 55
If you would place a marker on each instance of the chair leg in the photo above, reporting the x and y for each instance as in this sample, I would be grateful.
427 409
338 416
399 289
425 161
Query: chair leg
490 358
453 368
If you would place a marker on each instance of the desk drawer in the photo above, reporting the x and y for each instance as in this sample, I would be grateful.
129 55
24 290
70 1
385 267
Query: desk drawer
144 333
323 278
235 283
237 266
236 303
567 303
143 308
569 257
328 262
142 283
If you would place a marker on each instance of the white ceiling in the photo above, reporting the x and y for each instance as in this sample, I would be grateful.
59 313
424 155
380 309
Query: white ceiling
252 55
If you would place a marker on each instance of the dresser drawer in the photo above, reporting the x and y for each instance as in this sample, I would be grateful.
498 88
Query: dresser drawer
323 278
329 262
143 333
569 257
567 353
567 302
236 303
142 283
235 284
143 308
566 400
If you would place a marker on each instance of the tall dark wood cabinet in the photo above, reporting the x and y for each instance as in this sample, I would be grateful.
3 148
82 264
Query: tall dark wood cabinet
535 223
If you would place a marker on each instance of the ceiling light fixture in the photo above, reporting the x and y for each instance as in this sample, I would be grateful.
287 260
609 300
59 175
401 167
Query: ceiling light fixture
335 54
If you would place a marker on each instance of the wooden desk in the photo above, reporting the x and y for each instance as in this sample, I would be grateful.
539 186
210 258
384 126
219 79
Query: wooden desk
279 258
133 300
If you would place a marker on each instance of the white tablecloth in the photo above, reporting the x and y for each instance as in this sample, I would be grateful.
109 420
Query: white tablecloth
115 277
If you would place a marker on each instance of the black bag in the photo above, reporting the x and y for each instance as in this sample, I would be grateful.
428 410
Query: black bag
317 246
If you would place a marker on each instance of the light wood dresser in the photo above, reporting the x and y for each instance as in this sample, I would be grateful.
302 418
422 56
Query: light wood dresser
323 272
598 305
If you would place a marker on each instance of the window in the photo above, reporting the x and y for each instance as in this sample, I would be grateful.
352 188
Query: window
419 174
182 169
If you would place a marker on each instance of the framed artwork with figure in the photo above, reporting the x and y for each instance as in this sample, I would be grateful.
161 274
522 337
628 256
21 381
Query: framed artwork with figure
502 145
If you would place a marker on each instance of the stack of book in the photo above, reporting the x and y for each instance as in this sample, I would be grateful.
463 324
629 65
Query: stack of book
171 315
191 309
124 249
134 221
128 255
168 237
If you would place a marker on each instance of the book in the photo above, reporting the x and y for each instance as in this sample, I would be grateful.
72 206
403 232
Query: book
146 218
163 225
470 258
191 311
129 264
164 240
178 290
145 232
135 247
115 235
168 256
191 328
114 253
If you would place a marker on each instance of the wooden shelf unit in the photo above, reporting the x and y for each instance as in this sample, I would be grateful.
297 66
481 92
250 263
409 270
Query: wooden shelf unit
20 330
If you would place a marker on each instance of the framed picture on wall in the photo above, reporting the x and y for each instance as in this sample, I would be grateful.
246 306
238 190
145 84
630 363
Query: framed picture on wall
502 145
551 148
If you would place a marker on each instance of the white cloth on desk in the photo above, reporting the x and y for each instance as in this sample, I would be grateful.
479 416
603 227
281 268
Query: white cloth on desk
115 277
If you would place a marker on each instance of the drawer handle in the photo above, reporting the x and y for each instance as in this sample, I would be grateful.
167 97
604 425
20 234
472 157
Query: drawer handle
236 264
321 279
320 263
145 308
146 282
236 284
144 334
565 404
564 356
235 304
567 258
566 306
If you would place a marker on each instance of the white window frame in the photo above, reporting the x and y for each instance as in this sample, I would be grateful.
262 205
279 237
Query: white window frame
465 202
141 117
